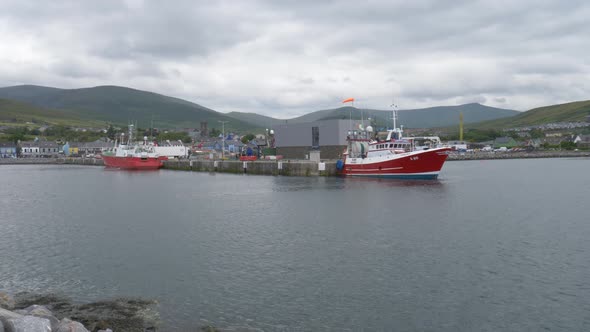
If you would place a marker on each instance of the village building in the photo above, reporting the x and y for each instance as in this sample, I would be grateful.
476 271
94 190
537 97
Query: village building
8 150
93 148
297 140
29 149
48 149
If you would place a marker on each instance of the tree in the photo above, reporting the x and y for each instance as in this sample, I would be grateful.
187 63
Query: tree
214 132
567 145
111 132
16 137
514 135
247 138
536 133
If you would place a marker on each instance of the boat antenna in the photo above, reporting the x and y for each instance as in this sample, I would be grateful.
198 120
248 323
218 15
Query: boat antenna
152 128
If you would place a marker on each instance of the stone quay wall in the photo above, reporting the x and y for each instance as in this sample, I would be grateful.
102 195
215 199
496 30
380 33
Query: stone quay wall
259 167
518 155
52 161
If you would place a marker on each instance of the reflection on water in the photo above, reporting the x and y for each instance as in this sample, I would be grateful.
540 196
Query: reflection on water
496 246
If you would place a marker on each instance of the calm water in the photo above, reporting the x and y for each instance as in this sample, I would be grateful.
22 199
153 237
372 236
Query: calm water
492 246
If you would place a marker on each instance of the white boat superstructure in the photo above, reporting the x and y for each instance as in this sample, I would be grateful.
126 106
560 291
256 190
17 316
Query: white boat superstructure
168 149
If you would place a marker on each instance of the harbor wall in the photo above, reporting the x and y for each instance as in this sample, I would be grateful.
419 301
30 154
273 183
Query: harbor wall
517 155
259 167
52 161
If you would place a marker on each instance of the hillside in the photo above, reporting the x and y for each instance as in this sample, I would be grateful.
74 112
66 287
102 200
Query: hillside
568 112
121 105
254 119
18 113
440 116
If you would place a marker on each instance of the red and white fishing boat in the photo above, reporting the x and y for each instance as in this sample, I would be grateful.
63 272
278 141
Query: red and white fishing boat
130 155
395 157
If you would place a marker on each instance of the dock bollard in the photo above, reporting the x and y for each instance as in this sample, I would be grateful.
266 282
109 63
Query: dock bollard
215 165
245 165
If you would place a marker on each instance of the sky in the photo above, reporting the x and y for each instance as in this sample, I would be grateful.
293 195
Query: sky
287 58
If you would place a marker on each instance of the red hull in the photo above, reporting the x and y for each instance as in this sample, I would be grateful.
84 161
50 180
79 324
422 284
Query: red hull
248 158
417 165
134 162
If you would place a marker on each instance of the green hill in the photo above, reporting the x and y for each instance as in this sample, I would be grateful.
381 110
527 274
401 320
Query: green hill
254 119
15 113
568 112
121 105
440 116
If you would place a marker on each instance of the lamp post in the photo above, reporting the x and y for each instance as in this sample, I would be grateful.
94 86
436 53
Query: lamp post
223 139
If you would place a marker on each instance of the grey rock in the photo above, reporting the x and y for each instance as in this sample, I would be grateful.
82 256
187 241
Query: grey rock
2 327
52 301
6 301
38 309
67 325
107 330
28 324
43 312
6 315
120 315
123 314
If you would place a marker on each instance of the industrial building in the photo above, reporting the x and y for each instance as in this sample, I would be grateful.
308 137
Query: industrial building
297 140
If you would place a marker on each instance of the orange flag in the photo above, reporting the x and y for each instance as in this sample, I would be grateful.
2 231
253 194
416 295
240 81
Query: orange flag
347 100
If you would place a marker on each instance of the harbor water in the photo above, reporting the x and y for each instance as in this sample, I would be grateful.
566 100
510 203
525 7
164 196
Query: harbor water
493 245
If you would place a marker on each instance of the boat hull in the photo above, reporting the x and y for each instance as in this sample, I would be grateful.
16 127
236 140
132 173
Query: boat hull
136 163
424 164
248 158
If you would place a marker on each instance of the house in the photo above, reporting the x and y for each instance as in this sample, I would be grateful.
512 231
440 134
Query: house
48 149
457 145
29 149
584 141
96 147
7 150
533 143
71 149
553 140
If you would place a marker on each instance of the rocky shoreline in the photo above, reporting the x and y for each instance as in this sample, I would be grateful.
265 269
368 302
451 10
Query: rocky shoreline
29 312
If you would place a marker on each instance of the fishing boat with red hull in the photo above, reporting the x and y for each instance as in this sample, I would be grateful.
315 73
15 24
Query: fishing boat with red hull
133 156
396 156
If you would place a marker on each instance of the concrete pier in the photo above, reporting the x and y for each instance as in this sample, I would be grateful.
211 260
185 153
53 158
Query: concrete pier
52 161
259 167
480 155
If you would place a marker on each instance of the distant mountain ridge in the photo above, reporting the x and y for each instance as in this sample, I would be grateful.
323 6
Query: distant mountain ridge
121 105
440 116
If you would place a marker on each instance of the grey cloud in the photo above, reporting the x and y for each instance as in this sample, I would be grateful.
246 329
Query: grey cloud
285 57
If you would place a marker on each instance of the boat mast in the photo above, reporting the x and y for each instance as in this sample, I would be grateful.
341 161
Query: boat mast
394 115
130 136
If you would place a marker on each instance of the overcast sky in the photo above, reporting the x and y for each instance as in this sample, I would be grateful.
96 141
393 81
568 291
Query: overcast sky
287 58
